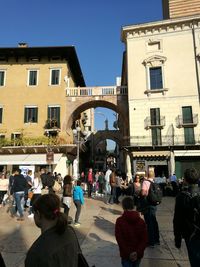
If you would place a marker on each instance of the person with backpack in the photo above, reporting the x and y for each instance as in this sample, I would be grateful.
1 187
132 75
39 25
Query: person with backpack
186 216
151 199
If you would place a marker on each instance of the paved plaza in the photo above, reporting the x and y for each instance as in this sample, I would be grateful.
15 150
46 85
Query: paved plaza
96 236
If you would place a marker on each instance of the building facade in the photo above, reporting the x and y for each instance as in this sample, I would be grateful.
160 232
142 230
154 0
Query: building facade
161 70
33 84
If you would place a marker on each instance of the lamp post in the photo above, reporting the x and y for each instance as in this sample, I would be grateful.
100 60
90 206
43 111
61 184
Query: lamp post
76 133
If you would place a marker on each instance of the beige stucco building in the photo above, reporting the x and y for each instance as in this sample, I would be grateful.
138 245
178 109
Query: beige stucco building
33 87
161 69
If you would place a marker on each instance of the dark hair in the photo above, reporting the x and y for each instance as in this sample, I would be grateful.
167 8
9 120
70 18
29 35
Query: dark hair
128 203
78 182
134 180
191 176
67 179
49 206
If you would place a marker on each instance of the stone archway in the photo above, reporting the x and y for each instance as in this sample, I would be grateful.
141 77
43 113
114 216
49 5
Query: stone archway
74 109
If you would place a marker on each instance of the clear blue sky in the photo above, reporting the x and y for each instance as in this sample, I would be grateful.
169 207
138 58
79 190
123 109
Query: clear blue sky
92 26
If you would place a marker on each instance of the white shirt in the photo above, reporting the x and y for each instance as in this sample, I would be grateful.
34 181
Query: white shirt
37 186
107 175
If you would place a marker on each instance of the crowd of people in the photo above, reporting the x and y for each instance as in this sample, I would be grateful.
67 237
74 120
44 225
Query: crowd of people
135 230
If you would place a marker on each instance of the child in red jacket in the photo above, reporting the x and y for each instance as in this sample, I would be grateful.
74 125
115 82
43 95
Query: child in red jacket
131 234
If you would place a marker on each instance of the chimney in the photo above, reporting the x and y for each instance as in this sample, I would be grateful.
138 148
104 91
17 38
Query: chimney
22 45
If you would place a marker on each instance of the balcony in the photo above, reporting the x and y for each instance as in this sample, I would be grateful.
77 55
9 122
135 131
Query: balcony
96 91
52 127
167 140
148 124
180 122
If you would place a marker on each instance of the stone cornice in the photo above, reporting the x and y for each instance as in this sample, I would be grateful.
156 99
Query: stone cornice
157 27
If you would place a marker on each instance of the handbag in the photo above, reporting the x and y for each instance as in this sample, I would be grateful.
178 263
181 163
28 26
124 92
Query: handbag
56 187
30 194
45 191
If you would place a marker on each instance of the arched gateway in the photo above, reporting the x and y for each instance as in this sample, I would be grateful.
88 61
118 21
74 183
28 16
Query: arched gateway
80 99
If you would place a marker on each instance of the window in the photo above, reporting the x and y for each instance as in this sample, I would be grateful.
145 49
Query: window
155 75
155 131
1 115
31 114
55 77
155 116
156 136
189 135
2 77
156 78
54 116
187 114
32 77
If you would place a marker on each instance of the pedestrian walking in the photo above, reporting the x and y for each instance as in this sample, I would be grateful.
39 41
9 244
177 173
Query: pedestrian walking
186 220
131 234
19 187
150 212
36 190
67 193
90 181
78 201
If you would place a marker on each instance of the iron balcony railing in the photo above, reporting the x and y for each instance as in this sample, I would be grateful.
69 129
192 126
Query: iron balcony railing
165 140
96 91
181 122
148 123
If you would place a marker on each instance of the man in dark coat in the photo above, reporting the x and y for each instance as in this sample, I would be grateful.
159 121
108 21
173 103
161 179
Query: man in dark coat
184 214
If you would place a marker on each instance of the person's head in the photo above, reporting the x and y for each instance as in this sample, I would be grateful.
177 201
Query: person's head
151 174
136 178
78 183
191 176
67 179
128 203
47 213
42 171
29 172
17 171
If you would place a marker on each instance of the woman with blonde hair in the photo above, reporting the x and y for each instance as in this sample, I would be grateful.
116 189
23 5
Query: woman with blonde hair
36 191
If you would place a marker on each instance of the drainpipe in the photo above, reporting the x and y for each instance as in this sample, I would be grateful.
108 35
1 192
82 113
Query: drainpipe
195 58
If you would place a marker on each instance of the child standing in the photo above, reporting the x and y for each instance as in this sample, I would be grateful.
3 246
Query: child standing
131 234
78 201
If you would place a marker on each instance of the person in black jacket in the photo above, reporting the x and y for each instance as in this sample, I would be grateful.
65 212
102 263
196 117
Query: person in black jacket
19 187
2 263
184 213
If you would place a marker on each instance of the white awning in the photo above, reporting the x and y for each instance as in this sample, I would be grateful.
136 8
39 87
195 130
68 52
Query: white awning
27 159
186 153
146 154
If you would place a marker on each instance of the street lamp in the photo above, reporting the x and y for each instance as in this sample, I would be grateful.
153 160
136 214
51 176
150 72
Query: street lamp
76 133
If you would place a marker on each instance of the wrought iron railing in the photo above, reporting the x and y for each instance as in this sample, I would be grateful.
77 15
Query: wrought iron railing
181 122
165 140
148 123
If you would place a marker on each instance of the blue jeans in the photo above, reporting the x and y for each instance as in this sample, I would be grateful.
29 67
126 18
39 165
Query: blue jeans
128 263
152 225
19 196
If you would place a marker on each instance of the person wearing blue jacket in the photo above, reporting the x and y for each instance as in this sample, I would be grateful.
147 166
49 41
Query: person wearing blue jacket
78 201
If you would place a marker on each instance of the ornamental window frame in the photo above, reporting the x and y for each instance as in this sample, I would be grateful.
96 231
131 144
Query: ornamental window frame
155 61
